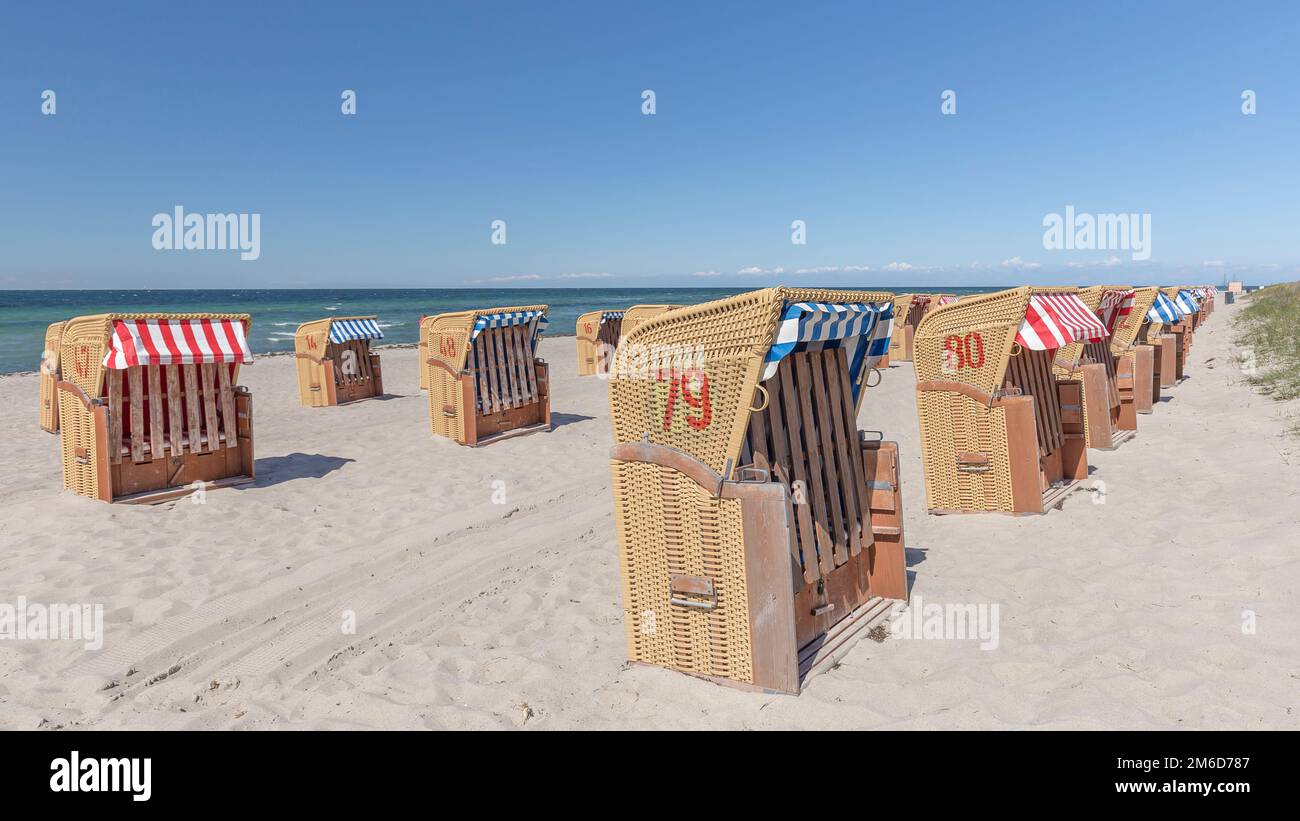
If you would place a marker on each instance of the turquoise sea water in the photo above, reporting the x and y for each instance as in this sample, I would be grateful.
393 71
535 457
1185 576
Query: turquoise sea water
276 314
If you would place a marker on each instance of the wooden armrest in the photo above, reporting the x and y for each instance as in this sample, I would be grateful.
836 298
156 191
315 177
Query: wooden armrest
700 473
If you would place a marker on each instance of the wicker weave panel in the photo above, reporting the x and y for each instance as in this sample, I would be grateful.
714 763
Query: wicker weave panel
668 524
725 341
49 375
897 334
77 430
952 423
992 318
587 327
637 314
446 339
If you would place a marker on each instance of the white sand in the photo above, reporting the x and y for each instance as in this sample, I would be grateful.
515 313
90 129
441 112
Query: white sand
472 614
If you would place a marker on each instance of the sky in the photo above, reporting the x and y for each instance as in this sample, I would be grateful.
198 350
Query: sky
532 113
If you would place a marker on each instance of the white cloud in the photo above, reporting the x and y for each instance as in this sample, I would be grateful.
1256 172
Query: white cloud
517 278
1020 264
601 275
1213 263
900 266
835 269
707 274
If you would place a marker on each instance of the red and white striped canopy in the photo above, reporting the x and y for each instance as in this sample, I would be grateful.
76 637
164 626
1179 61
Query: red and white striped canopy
944 300
1114 307
1055 320
920 300
176 342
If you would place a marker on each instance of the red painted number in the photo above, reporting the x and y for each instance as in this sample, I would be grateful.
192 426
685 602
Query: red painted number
82 361
587 326
964 352
693 388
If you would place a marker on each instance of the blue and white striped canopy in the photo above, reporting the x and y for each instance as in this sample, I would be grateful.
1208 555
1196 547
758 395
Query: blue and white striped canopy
862 329
343 330
609 316
1187 303
508 319
1163 310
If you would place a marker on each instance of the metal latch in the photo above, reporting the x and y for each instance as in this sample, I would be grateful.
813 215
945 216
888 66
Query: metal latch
973 462
692 591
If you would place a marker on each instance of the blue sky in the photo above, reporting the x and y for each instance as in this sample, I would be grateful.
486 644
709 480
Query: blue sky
531 113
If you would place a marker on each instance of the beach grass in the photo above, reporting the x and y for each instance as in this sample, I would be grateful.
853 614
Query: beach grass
1268 332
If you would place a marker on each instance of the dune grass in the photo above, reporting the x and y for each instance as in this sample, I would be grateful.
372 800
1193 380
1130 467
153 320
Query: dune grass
1268 332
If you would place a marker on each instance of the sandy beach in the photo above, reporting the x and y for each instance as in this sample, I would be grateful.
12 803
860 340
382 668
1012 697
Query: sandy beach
484 582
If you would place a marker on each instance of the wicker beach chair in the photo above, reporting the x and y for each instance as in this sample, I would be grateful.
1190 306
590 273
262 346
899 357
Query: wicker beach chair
1135 360
598 333
637 314
335 362
1097 369
1162 330
999 431
49 378
759 532
908 310
422 353
485 380
150 408
1184 328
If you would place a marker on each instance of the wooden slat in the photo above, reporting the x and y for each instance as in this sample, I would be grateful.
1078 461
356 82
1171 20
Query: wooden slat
208 374
832 469
844 434
530 369
803 414
789 451
175 421
115 416
484 384
510 389
522 360
480 380
192 407
1052 399
510 344
514 360
854 443
363 355
229 423
156 434
135 386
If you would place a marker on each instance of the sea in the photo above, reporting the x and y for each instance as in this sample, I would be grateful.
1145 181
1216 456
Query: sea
277 313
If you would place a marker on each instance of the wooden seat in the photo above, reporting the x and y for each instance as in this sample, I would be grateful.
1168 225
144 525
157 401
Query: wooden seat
485 380
598 333
335 363
758 532
1000 430
149 414
1097 368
